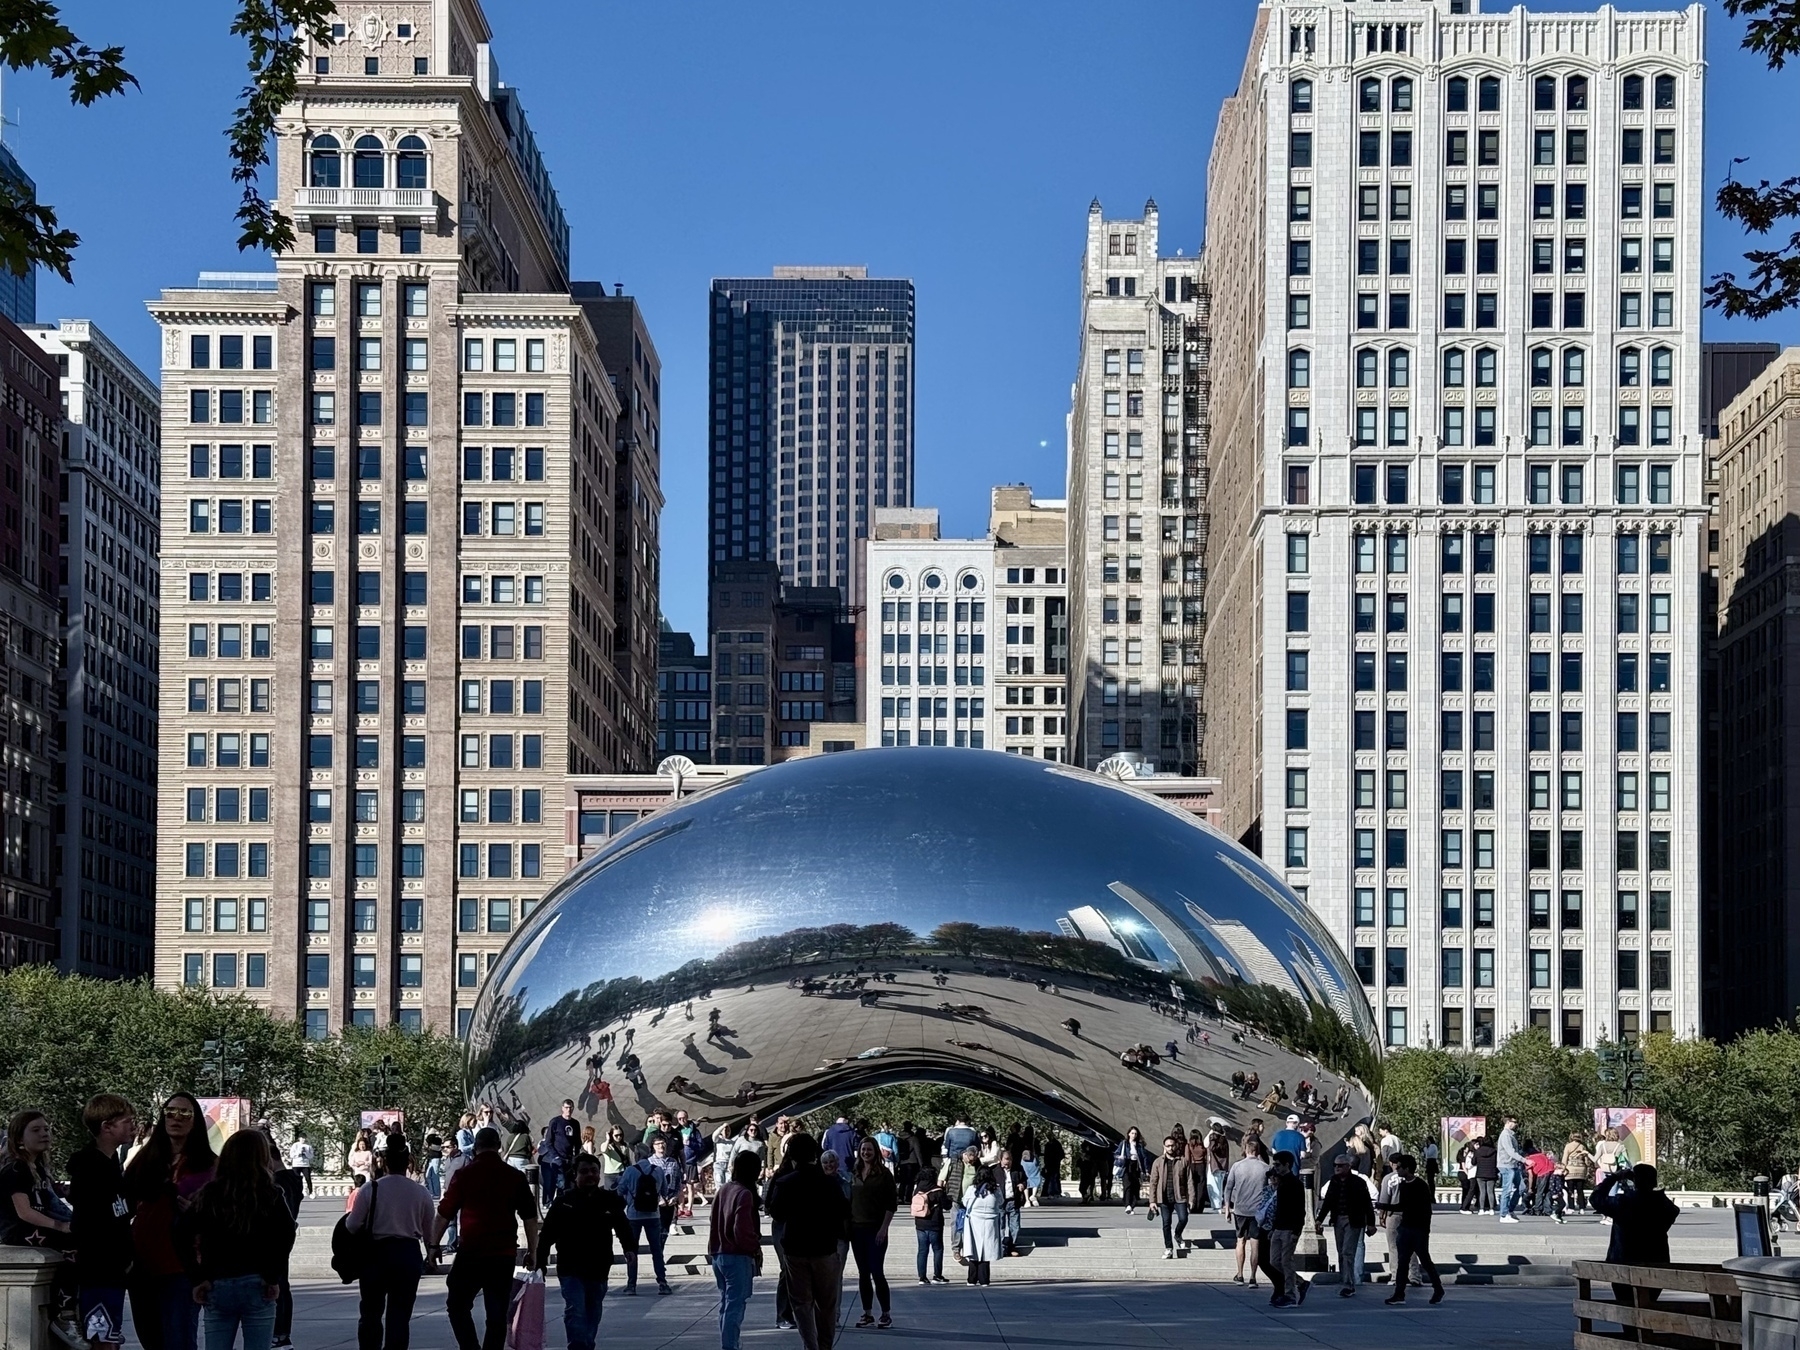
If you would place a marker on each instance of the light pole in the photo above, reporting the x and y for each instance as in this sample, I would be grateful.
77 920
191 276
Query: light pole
1622 1066
222 1060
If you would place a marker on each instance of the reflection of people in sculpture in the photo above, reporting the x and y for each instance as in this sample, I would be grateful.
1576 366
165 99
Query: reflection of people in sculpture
748 1091
680 1087
1072 1026
971 1045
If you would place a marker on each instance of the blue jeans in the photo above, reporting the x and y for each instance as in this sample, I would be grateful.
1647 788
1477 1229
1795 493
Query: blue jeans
549 1181
581 1309
733 1275
646 1232
931 1242
239 1302
1512 1189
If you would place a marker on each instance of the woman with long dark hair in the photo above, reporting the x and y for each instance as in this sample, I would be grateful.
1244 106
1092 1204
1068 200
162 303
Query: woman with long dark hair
873 1200
32 1214
160 1183
234 1241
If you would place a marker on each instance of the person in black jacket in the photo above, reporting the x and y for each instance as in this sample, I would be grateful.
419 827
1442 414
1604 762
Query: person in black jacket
1282 1236
234 1243
101 1227
1641 1218
1346 1203
815 1217
581 1226
1412 1239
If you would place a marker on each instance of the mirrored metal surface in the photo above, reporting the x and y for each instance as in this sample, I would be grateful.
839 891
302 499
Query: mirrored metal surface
829 925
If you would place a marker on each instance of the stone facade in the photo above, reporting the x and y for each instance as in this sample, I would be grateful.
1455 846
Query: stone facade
1457 503
1759 657
1137 476
109 597
30 652
389 644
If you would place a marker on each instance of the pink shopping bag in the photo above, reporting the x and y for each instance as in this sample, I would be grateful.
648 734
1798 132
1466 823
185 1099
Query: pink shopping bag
525 1319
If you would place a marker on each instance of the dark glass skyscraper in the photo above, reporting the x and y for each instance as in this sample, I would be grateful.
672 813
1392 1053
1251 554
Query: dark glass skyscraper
18 295
811 416
812 373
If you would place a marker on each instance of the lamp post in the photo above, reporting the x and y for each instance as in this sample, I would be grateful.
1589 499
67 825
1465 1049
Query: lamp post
378 1086
1622 1066
1462 1088
223 1061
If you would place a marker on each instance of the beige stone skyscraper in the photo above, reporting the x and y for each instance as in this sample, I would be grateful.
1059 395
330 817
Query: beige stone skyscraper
1137 478
388 550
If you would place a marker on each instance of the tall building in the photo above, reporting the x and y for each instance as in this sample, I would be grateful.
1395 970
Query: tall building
683 698
107 577
30 650
1726 370
927 604
1028 710
1758 892
812 400
944 667
1137 479
629 355
787 668
388 550
1454 261
18 294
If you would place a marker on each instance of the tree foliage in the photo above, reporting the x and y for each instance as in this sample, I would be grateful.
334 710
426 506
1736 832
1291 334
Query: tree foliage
1724 1113
34 37
1773 31
65 1038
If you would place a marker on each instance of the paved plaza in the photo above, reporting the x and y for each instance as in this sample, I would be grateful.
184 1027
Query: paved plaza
1091 1276
1042 1317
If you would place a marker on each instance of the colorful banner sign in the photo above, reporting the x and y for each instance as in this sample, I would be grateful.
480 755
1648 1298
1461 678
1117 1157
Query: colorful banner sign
1631 1128
370 1119
1457 1131
225 1116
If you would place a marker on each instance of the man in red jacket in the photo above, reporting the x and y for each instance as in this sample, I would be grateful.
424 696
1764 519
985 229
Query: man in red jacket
487 1199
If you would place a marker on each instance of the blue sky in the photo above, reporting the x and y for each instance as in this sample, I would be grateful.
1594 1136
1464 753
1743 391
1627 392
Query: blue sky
958 145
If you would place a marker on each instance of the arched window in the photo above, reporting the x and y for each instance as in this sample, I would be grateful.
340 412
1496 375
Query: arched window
409 164
1662 367
1300 96
1487 367
1630 368
1578 91
1399 368
1488 94
325 168
1400 95
1632 93
366 166
1454 368
1299 368
1574 367
1543 366
1543 94
1371 95
1456 94
1368 368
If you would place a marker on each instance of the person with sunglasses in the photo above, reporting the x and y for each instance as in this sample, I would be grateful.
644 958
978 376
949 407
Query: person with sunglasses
160 1184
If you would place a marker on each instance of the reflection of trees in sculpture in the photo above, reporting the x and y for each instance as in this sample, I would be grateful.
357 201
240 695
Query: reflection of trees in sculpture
508 1041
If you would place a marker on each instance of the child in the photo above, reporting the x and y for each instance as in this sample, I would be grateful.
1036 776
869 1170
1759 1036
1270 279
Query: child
102 1224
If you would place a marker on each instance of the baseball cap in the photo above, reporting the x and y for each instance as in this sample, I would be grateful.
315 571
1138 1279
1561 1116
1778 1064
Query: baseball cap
1293 1120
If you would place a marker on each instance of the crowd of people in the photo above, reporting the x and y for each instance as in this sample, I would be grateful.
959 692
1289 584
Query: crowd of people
192 1238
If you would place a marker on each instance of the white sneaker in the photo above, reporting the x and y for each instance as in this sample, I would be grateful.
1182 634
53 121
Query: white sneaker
1168 1256
1507 1218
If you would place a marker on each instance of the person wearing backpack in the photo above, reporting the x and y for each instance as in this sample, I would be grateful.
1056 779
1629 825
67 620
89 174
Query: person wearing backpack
649 1183
927 1210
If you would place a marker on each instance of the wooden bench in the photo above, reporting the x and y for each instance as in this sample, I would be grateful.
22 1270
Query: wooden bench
1705 1311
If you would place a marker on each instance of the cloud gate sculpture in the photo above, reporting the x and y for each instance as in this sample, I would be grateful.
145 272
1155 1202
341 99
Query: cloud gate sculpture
1053 937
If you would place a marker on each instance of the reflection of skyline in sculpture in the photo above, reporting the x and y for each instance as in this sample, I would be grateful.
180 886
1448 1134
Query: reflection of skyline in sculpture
975 918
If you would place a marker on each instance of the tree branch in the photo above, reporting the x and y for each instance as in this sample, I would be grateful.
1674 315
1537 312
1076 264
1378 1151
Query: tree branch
276 32
1776 34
